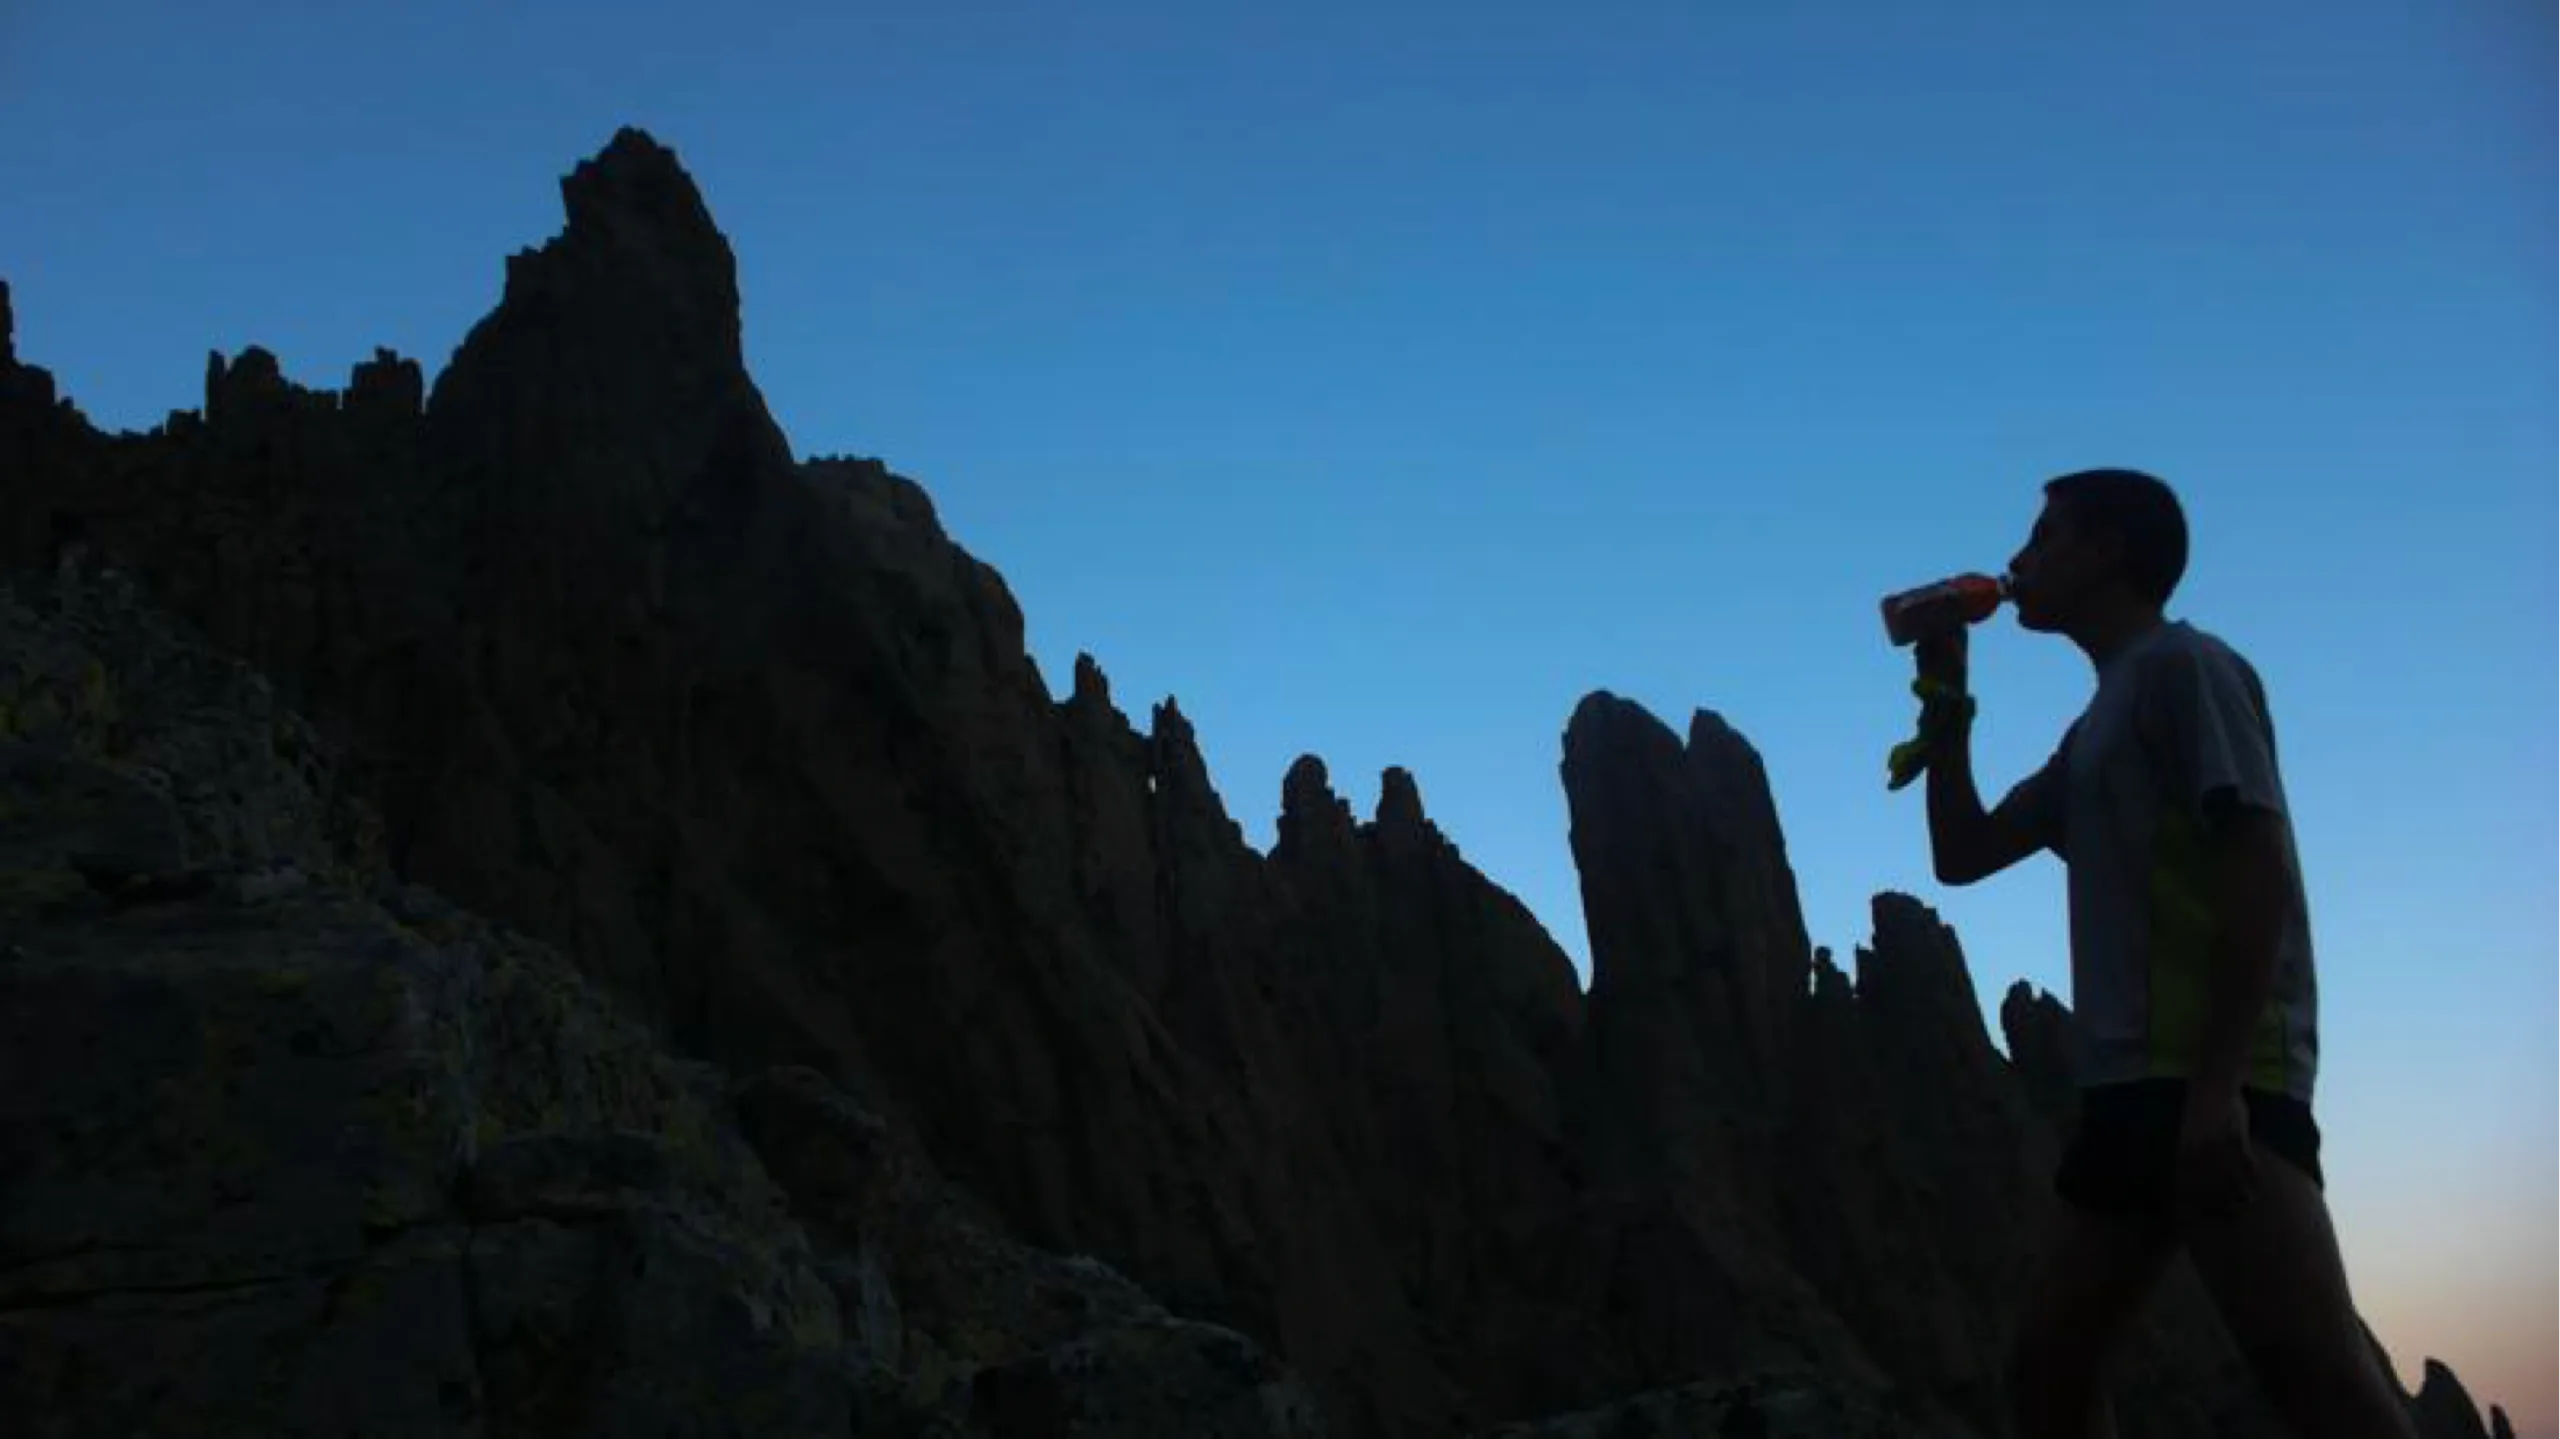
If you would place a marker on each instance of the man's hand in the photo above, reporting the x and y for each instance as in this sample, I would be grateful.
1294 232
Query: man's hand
1941 657
2217 1173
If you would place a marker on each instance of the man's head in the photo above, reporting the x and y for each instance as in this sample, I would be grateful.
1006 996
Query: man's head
2108 542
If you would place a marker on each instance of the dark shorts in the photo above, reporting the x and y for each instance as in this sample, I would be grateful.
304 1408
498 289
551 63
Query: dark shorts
2123 1156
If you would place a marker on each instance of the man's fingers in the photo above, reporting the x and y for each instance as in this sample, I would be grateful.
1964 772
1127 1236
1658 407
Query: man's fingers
2215 1185
2239 1185
2245 1181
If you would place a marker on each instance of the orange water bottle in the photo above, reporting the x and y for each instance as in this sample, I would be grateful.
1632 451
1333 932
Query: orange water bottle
1915 615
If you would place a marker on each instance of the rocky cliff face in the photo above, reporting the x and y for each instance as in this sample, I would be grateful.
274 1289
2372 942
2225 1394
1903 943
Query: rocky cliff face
297 1147
756 748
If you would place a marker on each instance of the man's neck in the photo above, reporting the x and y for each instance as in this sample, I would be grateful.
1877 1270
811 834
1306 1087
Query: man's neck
2106 636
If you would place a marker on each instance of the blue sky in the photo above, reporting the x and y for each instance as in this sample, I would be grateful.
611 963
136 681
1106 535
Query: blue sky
1381 378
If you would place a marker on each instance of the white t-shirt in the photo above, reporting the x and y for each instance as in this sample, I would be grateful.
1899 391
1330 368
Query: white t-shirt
2179 721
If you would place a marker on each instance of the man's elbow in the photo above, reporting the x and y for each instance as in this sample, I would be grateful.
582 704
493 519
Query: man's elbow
1957 870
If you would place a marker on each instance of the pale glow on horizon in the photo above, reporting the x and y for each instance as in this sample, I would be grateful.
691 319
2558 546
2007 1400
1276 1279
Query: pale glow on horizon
2503 1358
2467 1274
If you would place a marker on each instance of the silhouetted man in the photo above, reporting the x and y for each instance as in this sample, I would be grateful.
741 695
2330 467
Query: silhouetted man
2191 976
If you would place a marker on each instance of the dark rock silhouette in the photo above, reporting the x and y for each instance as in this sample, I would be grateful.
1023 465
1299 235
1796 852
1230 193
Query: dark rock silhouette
960 978
2444 1409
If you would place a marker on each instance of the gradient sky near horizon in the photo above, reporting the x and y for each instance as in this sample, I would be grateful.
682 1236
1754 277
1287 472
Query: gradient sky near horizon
1380 378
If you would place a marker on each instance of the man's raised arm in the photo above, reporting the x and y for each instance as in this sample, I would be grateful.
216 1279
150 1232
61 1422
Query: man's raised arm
1967 844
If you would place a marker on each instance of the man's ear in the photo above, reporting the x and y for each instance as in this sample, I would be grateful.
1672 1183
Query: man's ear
2105 553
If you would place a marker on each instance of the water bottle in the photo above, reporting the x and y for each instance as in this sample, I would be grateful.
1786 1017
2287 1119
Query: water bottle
1914 615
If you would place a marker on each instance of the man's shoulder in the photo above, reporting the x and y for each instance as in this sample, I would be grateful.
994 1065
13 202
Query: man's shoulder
2188 672
2180 645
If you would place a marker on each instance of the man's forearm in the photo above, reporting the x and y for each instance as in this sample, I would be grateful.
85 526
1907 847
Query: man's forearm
2250 897
1955 805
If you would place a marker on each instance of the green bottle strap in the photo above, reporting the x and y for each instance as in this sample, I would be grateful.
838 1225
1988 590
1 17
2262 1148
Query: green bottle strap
1942 707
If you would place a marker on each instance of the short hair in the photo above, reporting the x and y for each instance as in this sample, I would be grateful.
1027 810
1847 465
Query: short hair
2138 509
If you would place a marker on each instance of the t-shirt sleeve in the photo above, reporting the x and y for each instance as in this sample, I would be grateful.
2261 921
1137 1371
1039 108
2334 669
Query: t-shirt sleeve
2204 717
2043 800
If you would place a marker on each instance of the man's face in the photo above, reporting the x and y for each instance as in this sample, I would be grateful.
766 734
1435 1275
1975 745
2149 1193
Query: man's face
2053 579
